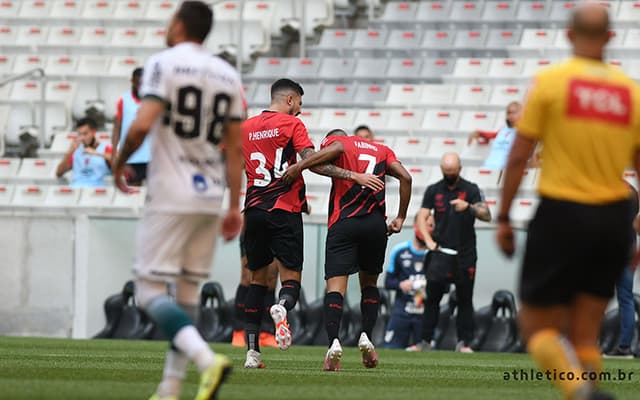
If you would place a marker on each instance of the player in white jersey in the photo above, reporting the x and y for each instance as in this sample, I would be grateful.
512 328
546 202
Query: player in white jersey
192 104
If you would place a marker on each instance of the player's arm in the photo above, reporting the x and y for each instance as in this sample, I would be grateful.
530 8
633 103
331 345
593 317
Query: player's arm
397 170
117 126
65 164
391 278
423 218
234 161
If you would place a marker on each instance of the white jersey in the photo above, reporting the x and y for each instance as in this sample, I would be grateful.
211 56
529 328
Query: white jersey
186 174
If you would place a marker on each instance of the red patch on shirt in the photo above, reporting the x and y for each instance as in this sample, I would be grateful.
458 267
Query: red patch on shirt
599 101
462 195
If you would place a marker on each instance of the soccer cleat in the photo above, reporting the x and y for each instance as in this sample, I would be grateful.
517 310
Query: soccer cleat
157 397
422 346
619 352
334 354
283 333
369 355
237 340
213 377
267 340
253 360
462 348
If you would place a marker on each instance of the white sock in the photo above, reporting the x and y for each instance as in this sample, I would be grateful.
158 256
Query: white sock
175 370
189 341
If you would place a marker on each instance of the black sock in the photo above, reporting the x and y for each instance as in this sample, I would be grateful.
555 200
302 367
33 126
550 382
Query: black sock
238 316
332 314
254 306
267 322
289 293
369 305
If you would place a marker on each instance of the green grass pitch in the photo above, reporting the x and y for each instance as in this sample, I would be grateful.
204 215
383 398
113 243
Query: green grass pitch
34 368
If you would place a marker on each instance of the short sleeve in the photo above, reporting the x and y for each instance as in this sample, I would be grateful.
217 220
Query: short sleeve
301 139
154 80
391 157
327 141
119 107
108 149
533 114
475 195
429 198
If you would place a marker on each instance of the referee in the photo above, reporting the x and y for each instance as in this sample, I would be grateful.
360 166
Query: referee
587 115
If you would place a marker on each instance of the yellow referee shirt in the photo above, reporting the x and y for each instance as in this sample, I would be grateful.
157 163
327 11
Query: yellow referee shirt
587 115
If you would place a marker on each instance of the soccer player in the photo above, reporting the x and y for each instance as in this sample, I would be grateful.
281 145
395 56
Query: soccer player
273 221
357 235
364 132
191 103
587 115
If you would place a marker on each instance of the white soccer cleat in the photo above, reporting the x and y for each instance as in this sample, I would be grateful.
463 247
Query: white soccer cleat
334 354
462 348
283 333
369 355
253 360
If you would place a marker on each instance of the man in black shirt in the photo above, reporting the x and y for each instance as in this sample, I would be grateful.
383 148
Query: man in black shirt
456 204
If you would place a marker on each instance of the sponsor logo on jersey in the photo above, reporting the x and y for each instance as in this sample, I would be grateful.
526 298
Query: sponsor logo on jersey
599 101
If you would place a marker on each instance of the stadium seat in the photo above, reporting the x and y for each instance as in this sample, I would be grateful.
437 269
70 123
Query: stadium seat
161 10
29 195
523 209
37 169
473 39
471 67
411 148
386 140
369 39
405 120
503 38
61 142
370 94
440 145
336 39
440 94
337 68
537 38
62 196
529 180
99 9
506 68
127 37
375 119
133 200
311 117
9 168
122 66
402 39
433 11
404 12
532 66
63 36
8 35
5 93
65 9
304 68
319 203
319 14
29 35
618 37
94 66
499 11
154 38
285 15
466 11
227 11
62 65
420 175
483 177
473 95
26 62
6 194
404 95
260 10
130 10
438 39
405 69
96 36
532 11
629 11
35 9
6 64
9 9
332 118
477 120
26 91
561 10
501 95
441 120
96 197
632 39
371 68
612 6
337 94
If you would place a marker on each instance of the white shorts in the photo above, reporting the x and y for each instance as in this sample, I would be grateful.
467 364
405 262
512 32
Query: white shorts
169 246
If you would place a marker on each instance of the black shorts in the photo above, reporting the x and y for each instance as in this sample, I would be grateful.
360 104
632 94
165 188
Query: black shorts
243 250
139 173
269 234
356 244
574 249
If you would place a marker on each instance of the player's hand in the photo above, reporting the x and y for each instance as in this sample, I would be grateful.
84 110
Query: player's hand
459 205
120 177
367 180
431 245
474 136
506 239
89 150
232 224
291 174
406 285
395 226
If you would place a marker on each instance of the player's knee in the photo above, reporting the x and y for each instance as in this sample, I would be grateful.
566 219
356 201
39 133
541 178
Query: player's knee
272 276
187 292
147 290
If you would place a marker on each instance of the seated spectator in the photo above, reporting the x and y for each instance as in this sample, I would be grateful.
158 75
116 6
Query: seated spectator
89 159
364 132
502 139
405 274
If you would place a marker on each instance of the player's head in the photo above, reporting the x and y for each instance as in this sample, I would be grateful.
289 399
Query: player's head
451 166
364 132
191 23
136 80
86 130
514 111
337 132
589 30
286 96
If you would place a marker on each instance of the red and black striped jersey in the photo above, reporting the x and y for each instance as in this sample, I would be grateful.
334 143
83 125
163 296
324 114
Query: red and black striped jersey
271 143
348 199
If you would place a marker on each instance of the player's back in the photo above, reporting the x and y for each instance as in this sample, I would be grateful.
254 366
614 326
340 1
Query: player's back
348 199
587 115
202 92
271 142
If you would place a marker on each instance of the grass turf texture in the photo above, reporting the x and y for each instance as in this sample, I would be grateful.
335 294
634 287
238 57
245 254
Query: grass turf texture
34 368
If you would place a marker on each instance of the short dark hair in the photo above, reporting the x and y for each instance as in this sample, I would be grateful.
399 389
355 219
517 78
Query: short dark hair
87 121
285 84
337 132
362 127
137 73
197 18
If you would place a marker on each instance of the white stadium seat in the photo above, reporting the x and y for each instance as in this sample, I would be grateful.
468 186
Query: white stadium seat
438 39
538 38
130 9
336 68
471 67
155 38
6 194
99 9
440 120
62 196
505 94
473 95
127 37
25 62
29 195
531 66
30 35
433 10
376 119
404 95
37 169
483 177
523 209
311 117
94 66
162 10
466 11
420 175
62 142
65 9
532 11
405 120
332 118
476 152
67 36
470 39
9 168
226 11
499 10
8 35
506 68
133 200
96 197
62 65
440 145
411 148
9 9
404 68
122 66
35 9
441 94
477 120
97 36
6 64
629 11
26 91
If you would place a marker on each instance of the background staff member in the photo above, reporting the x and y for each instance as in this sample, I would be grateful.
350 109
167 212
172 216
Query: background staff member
587 115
